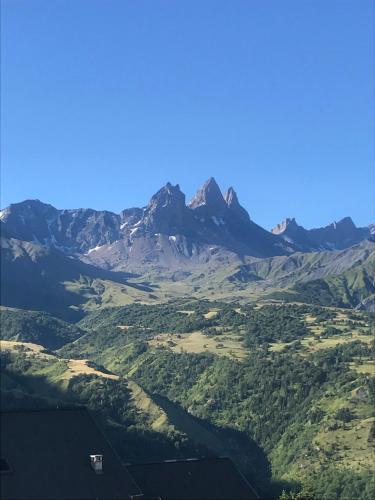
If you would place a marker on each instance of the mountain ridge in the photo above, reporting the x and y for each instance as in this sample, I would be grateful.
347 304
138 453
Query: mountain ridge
335 236
82 258
191 229
210 218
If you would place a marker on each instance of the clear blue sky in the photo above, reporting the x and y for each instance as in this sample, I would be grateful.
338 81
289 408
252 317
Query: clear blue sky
103 101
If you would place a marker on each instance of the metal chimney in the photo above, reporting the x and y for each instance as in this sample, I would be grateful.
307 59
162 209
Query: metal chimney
96 462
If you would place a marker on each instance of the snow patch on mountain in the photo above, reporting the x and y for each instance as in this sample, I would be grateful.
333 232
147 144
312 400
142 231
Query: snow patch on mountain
95 249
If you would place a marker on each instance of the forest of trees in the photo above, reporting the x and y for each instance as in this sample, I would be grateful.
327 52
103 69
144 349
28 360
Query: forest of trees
277 401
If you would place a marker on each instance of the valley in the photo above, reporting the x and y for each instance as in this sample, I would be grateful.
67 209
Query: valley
190 331
291 399
187 250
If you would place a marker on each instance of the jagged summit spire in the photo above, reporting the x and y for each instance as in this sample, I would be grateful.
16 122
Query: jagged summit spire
231 199
208 195
166 209
346 222
167 196
287 223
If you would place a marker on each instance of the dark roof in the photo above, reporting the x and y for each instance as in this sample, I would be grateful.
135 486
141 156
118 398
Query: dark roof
48 453
201 479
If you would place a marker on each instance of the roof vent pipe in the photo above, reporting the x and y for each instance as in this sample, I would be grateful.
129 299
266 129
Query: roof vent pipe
96 462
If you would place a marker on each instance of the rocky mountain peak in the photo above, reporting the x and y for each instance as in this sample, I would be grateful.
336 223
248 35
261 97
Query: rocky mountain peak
27 220
346 223
166 209
167 196
290 231
338 235
29 208
286 224
130 216
209 195
231 199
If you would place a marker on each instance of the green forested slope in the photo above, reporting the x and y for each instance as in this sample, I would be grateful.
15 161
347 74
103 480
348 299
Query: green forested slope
305 366
38 327
298 402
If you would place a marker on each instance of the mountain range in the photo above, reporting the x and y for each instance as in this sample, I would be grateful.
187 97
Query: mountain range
206 246
210 218
335 236
190 330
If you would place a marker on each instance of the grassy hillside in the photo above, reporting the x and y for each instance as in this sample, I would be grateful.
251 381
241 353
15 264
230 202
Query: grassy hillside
38 278
281 388
307 408
348 289
300 370
33 378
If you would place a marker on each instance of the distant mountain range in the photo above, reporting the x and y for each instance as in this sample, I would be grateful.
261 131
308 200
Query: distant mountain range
209 244
335 236
167 231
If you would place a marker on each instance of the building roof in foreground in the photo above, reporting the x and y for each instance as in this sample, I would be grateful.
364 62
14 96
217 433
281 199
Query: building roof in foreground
193 479
48 452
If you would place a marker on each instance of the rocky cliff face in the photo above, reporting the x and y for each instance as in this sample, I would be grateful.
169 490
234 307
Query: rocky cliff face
166 211
234 206
287 225
209 199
